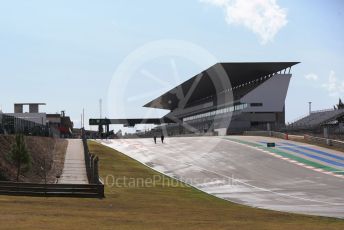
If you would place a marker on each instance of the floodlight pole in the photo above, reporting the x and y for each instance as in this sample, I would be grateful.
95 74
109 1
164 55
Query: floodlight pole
310 107
100 108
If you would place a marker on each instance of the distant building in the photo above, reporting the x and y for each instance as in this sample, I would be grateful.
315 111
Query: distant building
60 125
30 123
35 122
328 122
34 115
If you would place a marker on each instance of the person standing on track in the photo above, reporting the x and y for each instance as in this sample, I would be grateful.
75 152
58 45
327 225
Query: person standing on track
154 138
162 138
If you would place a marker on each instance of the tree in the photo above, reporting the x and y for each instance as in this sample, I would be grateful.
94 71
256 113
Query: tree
19 154
340 104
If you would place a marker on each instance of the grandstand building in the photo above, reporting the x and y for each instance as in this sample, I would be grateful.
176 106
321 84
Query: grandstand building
327 123
228 98
316 119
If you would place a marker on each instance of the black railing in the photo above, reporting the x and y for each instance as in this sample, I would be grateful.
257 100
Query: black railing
91 163
51 190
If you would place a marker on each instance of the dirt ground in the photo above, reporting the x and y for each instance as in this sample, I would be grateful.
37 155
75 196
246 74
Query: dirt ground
50 150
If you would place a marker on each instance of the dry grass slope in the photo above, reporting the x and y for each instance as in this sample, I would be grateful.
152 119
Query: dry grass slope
40 148
156 207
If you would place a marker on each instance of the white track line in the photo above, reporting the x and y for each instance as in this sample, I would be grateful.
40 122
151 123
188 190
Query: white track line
289 160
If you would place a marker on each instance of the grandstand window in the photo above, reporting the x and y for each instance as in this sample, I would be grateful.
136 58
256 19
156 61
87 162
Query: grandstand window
216 112
256 104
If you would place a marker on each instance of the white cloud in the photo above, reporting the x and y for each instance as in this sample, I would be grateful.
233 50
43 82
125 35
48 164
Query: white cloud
312 76
334 86
263 17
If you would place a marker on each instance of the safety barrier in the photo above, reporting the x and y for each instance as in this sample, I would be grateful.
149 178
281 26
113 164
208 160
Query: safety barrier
266 134
51 190
316 140
324 141
91 163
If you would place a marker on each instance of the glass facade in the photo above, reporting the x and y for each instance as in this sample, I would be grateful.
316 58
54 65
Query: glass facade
216 112
12 125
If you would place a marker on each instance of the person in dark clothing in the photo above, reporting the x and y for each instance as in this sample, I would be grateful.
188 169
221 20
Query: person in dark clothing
162 139
154 139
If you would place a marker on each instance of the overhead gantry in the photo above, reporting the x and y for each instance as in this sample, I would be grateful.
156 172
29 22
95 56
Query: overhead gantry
100 122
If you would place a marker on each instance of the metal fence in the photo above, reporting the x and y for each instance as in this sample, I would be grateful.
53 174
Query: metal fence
325 141
91 163
266 134
50 190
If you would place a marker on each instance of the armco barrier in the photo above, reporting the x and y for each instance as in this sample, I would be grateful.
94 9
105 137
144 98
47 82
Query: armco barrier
324 141
266 134
311 139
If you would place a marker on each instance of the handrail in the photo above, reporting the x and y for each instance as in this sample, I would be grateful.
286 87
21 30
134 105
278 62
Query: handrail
51 190
91 162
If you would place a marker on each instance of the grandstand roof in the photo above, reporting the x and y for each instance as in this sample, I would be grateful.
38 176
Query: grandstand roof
238 74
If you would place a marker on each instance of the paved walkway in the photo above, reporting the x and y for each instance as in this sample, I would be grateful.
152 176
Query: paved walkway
74 171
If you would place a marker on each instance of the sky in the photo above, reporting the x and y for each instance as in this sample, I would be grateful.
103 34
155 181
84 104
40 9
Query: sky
71 54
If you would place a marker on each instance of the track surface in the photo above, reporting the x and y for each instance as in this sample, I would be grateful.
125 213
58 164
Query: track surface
248 175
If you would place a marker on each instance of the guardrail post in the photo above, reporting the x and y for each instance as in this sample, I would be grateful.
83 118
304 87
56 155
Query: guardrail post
87 156
87 164
328 142
100 186
92 167
95 170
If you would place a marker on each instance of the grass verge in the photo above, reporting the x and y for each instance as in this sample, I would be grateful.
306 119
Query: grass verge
150 207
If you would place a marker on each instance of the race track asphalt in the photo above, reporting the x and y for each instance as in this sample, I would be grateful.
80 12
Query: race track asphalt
235 169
